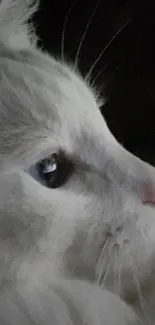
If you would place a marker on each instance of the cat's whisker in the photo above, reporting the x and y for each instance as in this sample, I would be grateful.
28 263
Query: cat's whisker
99 267
99 74
105 48
107 267
117 270
106 264
119 274
85 33
103 270
139 292
64 29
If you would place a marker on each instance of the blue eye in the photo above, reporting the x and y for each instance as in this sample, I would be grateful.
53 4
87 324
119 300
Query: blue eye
52 171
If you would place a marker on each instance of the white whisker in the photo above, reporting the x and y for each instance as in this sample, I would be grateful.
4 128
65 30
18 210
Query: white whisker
119 274
64 29
107 267
85 33
99 267
105 48
116 269
99 74
140 295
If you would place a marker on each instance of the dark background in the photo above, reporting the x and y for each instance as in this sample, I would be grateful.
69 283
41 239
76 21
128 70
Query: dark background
125 74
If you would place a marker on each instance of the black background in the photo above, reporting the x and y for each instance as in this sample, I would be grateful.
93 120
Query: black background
126 71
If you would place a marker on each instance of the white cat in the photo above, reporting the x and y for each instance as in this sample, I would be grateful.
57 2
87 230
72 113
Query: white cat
77 211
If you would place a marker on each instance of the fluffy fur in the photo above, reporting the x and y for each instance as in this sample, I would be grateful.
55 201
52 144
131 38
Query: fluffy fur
61 248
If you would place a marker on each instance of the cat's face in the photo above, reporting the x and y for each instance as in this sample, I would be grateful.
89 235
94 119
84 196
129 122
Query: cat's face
87 211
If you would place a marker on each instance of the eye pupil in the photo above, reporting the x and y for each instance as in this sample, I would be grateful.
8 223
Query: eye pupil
47 169
52 171
49 165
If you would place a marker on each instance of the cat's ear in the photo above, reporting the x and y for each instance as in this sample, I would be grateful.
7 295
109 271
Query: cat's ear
15 31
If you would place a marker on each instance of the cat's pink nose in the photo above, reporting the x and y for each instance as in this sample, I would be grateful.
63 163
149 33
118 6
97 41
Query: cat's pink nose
149 197
149 202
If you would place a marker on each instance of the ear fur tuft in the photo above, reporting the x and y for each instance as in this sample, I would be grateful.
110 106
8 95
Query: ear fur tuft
15 31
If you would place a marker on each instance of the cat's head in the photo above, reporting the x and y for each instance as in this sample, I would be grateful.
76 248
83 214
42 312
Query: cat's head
71 198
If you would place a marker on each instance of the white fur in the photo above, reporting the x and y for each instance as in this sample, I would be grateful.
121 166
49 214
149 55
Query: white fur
96 227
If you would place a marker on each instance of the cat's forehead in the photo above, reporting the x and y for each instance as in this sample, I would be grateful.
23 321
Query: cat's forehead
40 97
38 74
